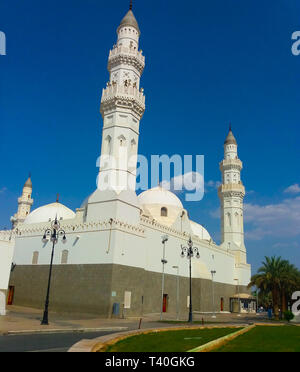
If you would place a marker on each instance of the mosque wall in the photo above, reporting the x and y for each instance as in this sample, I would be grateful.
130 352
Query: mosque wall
95 288
6 253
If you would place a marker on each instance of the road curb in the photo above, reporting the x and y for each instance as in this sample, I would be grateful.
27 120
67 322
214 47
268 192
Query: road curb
100 344
62 330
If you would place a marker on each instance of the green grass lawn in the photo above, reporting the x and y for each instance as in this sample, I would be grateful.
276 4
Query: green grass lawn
266 339
170 341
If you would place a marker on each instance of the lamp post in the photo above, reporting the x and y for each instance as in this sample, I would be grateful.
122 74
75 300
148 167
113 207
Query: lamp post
177 292
189 252
164 238
54 232
213 272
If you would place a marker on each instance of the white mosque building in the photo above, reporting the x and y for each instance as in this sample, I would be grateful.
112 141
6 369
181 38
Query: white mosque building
112 258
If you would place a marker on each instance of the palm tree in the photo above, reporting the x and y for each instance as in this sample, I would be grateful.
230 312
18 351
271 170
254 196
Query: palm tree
269 279
290 280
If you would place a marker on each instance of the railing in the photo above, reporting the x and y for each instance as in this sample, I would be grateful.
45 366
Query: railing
129 51
233 186
115 89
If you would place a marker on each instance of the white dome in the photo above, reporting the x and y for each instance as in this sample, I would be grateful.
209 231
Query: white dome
161 196
161 204
199 230
49 212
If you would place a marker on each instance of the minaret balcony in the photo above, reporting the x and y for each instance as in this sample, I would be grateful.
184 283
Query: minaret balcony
115 90
22 200
232 188
122 55
122 96
231 164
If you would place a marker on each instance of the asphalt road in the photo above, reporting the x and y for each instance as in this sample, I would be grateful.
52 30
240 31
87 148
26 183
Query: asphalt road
54 342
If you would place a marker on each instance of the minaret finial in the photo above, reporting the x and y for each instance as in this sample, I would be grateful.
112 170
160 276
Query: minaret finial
57 198
230 127
130 5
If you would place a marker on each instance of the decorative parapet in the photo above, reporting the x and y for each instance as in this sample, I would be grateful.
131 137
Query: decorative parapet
127 56
113 90
7 235
123 96
232 189
38 229
231 164
152 223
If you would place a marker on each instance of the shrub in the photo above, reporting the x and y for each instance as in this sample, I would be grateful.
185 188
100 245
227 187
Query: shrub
288 315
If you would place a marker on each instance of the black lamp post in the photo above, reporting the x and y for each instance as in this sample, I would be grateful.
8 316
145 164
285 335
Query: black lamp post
189 252
54 232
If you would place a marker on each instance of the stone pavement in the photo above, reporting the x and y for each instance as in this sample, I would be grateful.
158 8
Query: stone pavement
27 320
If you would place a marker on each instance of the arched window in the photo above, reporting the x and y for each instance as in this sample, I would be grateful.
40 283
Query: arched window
108 145
133 146
164 212
228 219
122 140
64 256
35 258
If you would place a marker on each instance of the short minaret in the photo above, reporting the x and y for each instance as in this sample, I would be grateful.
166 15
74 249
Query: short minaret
122 107
231 194
24 204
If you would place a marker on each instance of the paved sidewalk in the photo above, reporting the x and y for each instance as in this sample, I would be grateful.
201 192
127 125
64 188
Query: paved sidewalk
28 320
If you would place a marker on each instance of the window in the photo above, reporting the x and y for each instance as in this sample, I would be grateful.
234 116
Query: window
107 145
64 256
164 212
127 300
35 258
122 140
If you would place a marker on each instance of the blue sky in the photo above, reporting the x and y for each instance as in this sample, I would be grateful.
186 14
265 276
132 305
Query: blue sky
208 63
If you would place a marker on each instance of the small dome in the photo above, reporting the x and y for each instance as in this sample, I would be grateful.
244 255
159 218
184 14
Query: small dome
28 183
199 231
49 212
161 196
129 20
230 139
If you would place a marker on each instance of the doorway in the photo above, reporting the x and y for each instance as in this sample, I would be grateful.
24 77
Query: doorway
165 303
222 304
10 296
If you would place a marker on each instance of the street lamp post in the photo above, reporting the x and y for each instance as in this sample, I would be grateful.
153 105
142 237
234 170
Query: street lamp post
189 252
165 238
213 272
54 232
177 292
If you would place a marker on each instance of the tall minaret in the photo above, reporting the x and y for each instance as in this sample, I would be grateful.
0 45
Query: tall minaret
24 204
231 194
122 107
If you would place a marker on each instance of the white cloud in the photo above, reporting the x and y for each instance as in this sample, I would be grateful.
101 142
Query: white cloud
189 181
293 189
212 185
280 220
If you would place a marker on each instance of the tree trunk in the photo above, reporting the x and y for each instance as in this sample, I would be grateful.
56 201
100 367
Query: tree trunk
275 298
283 302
